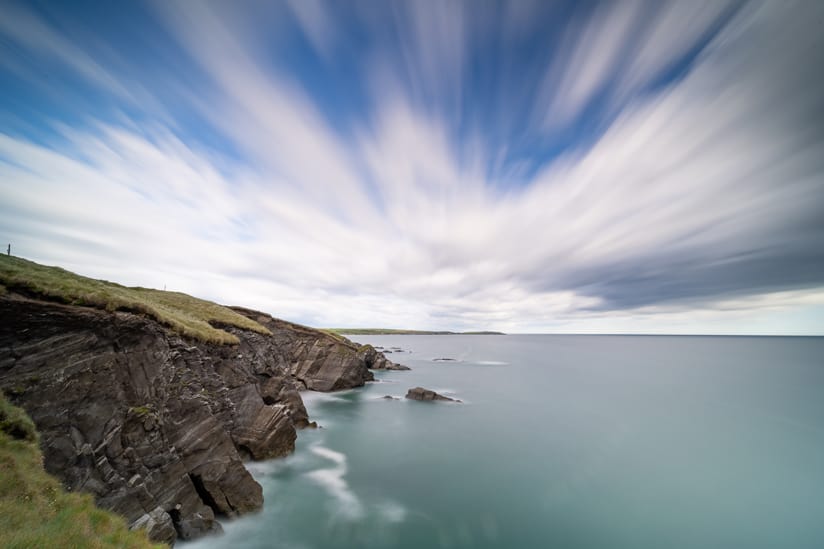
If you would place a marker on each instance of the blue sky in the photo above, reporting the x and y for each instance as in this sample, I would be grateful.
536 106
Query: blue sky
641 167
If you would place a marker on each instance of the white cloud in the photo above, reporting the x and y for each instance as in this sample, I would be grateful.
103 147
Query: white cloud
621 48
592 55
677 28
392 227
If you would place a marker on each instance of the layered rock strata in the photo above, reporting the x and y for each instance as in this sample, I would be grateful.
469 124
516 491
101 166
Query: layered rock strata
157 426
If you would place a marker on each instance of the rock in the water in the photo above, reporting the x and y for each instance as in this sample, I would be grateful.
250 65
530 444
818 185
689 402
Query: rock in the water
419 393
390 397
376 361
444 360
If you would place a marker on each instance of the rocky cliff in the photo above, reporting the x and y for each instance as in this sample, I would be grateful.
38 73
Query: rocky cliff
155 425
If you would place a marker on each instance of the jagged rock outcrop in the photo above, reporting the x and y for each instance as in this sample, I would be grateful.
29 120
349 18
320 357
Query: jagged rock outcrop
376 361
320 361
157 426
419 393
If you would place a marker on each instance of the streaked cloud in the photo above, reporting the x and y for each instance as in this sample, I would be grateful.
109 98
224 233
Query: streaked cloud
625 167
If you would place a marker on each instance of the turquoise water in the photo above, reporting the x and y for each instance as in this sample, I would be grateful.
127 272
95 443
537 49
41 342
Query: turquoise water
562 441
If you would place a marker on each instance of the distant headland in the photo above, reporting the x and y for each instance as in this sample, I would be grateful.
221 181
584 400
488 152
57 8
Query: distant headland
390 331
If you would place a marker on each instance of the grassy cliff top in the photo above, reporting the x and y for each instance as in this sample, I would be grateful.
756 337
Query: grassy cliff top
183 313
35 511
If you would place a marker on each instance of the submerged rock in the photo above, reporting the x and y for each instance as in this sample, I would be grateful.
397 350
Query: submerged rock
419 393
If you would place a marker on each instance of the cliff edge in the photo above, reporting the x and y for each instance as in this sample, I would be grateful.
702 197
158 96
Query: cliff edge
155 422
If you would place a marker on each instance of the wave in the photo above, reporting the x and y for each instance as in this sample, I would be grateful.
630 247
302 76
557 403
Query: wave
333 481
329 454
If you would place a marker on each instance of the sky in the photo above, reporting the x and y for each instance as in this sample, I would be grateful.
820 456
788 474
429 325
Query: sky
558 167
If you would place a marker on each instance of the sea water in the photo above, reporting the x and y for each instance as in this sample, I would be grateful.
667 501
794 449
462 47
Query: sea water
560 441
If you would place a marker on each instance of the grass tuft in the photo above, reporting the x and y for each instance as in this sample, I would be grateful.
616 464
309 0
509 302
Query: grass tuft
35 511
15 424
183 313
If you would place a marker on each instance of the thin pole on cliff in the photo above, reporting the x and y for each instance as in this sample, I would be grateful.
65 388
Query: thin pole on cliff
8 250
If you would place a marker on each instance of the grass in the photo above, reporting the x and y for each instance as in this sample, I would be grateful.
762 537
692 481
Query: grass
183 313
335 334
36 512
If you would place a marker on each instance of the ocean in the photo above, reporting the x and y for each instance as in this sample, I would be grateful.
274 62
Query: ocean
561 441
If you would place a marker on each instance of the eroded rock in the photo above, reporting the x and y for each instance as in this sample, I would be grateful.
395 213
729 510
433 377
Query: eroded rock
376 360
158 524
156 426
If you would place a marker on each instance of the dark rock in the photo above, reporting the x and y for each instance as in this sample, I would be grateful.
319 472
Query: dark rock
158 524
286 391
444 360
321 361
375 360
390 397
419 393
156 426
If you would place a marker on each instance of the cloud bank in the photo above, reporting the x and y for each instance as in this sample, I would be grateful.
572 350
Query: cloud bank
622 167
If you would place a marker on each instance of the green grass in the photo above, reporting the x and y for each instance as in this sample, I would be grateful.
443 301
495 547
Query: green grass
335 334
36 512
184 314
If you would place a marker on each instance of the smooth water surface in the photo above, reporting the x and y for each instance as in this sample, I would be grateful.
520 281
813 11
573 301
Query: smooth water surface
561 441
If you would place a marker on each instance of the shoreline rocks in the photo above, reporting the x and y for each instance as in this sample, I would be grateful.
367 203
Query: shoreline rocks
157 426
377 361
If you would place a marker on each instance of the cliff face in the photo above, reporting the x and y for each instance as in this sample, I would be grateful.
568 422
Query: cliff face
157 426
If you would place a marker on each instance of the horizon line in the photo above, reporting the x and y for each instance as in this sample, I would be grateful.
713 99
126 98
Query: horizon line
400 331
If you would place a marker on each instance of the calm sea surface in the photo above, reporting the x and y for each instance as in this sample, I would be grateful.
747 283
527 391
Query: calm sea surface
562 441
